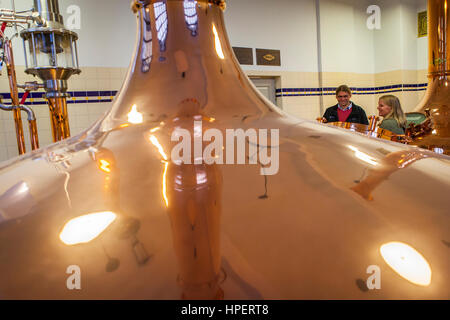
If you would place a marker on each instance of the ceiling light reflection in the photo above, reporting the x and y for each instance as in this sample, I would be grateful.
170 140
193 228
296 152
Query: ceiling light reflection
134 116
104 165
407 262
156 143
166 200
86 228
363 156
217 43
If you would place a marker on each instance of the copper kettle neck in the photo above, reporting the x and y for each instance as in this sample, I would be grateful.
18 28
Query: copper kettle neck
438 39
182 64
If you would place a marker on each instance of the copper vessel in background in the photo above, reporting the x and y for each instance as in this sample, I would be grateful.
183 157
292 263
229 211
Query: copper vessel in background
437 96
116 204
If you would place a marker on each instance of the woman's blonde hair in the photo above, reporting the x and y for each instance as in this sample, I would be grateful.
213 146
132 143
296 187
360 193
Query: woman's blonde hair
396 109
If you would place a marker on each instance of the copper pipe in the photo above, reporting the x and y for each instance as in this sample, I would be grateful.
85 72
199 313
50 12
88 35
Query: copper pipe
59 118
373 123
437 96
14 96
31 121
34 140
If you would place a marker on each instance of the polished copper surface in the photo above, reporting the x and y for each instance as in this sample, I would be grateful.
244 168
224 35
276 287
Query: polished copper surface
437 96
176 230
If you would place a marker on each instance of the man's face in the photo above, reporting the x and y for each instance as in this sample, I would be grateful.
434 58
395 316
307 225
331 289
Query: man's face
343 98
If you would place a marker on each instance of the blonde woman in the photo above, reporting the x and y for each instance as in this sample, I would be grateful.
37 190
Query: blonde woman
394 119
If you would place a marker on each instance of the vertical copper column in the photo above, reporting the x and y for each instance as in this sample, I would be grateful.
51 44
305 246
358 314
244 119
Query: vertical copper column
59 118
14 96
437 96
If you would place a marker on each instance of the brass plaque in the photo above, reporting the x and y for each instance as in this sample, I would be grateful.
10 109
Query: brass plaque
267 57
244 55
422 24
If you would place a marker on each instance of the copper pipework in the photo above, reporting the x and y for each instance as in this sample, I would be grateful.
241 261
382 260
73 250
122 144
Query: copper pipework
437 96
14 96
373 123
218 230
34 140
59 118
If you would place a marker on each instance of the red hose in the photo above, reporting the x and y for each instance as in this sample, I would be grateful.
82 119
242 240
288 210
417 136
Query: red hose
3 27
24 97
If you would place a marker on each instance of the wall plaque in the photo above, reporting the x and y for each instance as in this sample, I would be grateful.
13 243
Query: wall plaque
422 24
244 55
267 57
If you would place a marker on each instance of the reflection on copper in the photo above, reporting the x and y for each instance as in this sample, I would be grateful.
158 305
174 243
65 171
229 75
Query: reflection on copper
165 161
389 164
162 24
217 43
363 156
194 194
407 262
134 116
370 130
86 228
435 132
104 165
147 48
156 143
190 15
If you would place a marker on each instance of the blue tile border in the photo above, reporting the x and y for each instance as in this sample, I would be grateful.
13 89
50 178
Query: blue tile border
36 98
328 91
76 97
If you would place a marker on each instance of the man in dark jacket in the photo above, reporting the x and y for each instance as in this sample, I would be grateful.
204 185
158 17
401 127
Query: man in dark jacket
345 110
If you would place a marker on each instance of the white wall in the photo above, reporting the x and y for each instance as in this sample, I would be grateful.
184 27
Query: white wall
422 43
286 25
109 26
347 43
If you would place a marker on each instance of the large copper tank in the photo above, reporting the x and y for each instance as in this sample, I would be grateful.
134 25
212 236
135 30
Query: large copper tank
437 96
216 231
